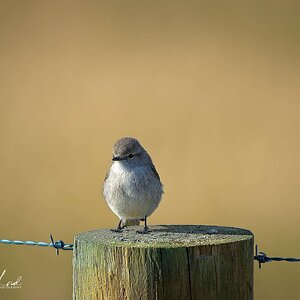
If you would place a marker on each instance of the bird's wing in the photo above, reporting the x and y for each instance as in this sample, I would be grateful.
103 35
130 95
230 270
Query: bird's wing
154 171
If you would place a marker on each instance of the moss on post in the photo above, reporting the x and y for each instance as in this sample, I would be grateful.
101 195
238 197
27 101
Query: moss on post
171 262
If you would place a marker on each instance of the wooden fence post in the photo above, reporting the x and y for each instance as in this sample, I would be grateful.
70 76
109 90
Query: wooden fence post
171 262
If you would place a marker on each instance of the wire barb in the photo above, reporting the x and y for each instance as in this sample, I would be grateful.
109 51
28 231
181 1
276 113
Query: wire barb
60 245
262 258
57 245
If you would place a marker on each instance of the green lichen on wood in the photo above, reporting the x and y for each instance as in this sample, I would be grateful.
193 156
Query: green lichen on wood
167 236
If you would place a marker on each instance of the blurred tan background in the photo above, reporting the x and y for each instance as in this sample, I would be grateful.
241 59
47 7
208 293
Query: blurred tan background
210 89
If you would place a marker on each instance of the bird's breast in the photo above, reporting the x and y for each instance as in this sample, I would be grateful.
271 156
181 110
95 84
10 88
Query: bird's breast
132 192
132 182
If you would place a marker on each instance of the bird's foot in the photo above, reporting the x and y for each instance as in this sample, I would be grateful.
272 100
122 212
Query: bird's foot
117 230
145 231
120 227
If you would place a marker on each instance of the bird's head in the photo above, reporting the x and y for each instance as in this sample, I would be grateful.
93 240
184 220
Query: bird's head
129 151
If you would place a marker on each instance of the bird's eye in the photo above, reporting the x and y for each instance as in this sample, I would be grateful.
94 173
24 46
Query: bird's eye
131 155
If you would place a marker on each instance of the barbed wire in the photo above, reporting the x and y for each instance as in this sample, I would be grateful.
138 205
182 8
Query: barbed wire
59 245
260 257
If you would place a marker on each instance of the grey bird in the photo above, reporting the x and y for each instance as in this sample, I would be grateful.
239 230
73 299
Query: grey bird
132 187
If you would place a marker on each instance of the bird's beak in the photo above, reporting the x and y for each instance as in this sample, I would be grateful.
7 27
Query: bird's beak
117 158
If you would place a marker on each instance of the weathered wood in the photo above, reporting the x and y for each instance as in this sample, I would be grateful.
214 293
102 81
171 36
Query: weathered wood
171 262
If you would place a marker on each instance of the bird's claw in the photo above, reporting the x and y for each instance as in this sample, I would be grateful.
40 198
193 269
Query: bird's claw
145 231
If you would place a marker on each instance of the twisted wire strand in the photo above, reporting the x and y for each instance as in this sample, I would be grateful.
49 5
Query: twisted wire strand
58 245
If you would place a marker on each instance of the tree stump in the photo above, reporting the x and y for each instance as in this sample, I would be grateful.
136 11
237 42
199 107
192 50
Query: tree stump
170 262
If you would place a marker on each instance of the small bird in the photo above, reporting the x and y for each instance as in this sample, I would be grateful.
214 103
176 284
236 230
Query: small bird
132 187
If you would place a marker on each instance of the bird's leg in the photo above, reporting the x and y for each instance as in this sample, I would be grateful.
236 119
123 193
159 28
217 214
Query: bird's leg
146 228
119 228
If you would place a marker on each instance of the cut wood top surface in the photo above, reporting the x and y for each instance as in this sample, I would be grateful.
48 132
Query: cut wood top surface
166 236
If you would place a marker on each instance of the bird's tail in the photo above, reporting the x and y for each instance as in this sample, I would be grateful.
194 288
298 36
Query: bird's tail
132 222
